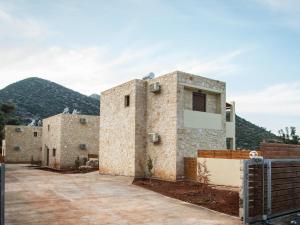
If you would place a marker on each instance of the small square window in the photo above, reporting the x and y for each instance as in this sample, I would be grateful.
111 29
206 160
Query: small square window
35 134
54 152
127 100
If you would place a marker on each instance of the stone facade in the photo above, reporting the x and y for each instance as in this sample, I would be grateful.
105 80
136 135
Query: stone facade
64 136
125 146
22 144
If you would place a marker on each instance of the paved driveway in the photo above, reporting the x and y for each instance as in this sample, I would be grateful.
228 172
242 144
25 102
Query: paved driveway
35 197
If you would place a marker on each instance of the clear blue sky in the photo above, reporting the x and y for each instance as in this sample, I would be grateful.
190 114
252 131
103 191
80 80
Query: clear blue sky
90 46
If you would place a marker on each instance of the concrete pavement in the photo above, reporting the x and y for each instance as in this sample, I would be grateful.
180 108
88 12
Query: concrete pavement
36 197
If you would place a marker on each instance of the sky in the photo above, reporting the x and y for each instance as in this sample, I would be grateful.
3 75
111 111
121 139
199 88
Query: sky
90 46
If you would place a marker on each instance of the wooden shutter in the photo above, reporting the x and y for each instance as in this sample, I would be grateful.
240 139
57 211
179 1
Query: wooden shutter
199 102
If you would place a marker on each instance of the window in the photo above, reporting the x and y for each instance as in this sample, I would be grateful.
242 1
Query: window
127 100
48 127
229 143
35 134
54 152
199 102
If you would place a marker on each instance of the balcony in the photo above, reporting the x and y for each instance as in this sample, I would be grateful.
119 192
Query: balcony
196 119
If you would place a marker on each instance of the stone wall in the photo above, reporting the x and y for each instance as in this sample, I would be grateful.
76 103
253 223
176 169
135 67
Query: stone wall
192 139
30 145
65 135
117 148
74 133
125 147
52 140
212 100
140 128
162 119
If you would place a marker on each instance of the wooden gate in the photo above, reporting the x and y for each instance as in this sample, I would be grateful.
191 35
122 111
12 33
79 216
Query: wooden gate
2 192
271 188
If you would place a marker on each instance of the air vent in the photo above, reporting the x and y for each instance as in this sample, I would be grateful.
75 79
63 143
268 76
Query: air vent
82 120
82 146
17 148
154 137
18 129
155 87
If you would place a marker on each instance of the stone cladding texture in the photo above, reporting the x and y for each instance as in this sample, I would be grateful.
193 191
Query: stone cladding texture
125 146
30 146
66 133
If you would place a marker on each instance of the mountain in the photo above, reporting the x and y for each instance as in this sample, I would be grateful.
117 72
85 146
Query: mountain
38 98
95 96
249 135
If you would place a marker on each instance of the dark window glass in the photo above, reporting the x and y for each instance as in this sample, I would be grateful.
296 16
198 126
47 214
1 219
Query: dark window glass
54 152
199 102
35 134
127 100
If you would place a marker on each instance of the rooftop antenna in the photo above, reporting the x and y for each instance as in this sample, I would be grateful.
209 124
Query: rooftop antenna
149 76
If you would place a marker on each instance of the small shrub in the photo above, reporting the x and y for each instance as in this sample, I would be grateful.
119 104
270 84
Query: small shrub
203 177
150 168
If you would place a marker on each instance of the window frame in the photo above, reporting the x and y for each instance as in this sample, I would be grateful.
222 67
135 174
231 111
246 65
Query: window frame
199 95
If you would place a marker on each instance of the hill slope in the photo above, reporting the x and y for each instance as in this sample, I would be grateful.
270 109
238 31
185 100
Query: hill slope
39 98
249 135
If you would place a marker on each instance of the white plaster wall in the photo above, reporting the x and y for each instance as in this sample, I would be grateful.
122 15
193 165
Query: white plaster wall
226 172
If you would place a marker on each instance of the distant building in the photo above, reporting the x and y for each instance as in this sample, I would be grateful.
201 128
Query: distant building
163 119
68 136
22 144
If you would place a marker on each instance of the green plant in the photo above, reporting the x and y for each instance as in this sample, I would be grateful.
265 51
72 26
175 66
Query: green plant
150 168
289 135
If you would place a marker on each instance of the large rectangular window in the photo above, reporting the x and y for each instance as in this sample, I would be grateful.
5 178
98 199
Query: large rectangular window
199 102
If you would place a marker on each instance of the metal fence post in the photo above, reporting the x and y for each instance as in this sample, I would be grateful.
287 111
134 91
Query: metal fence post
2 192
269 183
246 192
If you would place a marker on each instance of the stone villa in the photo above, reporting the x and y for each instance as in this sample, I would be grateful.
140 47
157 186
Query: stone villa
22 144
68 136
163 119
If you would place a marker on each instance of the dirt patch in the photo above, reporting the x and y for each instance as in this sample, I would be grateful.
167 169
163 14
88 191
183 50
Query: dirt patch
66 171
225 201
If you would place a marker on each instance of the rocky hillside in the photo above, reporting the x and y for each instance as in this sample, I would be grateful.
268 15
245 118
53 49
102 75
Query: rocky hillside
37 98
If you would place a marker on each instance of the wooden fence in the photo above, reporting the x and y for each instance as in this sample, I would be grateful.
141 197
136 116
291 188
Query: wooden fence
225 154
267 150
279 151
271 188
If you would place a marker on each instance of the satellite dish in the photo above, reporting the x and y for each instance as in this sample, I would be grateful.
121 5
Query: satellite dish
66 110
32 123
150 76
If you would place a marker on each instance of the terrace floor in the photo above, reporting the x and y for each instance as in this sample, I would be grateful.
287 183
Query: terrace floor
37 197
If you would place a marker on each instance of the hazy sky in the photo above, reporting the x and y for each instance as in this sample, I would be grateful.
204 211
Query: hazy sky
89 46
